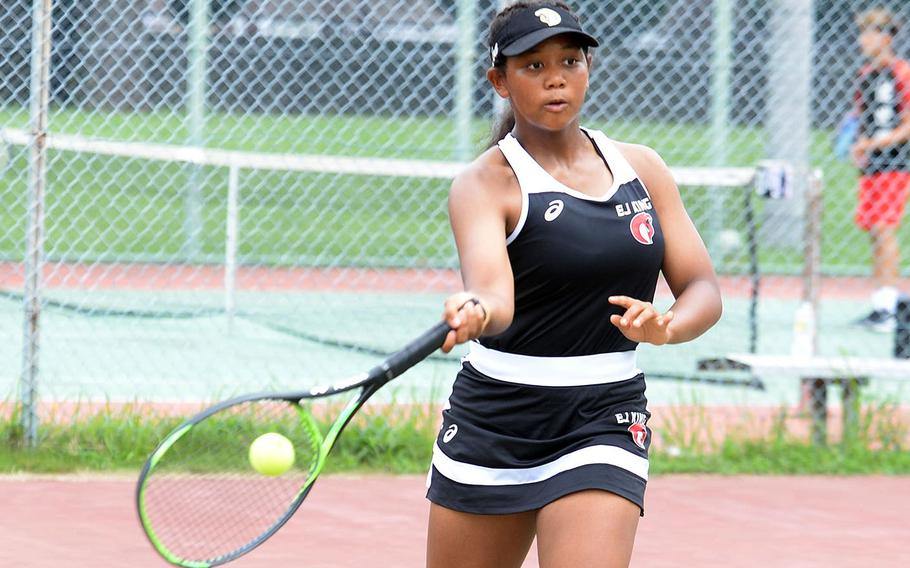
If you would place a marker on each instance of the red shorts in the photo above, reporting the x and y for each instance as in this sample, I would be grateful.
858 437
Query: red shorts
881 199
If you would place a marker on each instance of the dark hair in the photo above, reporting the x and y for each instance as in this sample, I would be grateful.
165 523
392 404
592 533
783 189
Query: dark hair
879 19
506 121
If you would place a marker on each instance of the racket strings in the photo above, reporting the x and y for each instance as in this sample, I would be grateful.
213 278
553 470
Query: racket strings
203 500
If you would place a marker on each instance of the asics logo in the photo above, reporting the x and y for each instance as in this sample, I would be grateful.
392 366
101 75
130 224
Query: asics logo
553 210
449 433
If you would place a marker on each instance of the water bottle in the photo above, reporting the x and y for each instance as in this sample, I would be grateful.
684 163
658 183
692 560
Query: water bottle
803 344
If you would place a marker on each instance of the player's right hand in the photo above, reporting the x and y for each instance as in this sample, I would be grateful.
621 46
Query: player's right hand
641 321
859 152
467 317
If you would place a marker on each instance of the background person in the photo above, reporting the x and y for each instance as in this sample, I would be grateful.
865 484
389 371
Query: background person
881 152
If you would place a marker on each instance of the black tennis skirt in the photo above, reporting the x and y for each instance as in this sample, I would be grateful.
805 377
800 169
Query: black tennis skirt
506 447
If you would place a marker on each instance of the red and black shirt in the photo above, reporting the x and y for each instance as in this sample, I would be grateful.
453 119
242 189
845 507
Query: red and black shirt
882 95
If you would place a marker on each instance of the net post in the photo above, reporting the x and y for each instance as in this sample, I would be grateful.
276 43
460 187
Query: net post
230 248
34 257
754 274
812 249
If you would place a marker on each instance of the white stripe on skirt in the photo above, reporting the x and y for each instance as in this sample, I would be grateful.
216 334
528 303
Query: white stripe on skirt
575 371
470 474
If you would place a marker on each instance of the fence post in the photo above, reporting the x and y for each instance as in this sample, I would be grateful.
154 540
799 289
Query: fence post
499 104
37 181
721 69
464 80
788 126
197 62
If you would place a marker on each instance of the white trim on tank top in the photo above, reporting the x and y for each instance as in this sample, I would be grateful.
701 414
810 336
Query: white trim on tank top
533 178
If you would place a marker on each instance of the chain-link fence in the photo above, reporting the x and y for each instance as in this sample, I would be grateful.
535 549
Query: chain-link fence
311 234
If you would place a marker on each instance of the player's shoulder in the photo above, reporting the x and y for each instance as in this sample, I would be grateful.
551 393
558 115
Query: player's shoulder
651 170
647 163
640 154
488 174
901 68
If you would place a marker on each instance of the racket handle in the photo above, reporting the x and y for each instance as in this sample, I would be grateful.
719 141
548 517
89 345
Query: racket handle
413 353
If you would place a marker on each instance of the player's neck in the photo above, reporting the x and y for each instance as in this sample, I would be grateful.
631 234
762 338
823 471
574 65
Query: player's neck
883 59
562 145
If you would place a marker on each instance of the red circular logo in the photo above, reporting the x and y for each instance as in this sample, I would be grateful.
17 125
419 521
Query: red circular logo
639 434
642 227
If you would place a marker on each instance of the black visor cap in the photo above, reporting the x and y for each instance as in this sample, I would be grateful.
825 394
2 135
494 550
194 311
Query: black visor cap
531 26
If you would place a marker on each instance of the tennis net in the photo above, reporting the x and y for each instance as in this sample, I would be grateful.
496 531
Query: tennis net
304 266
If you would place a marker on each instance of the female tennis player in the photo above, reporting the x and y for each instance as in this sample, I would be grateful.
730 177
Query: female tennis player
562 233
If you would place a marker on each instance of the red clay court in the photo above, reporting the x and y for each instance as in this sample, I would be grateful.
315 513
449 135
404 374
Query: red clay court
379 521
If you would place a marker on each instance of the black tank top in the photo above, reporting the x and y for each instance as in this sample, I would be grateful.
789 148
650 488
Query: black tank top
881 96
570 252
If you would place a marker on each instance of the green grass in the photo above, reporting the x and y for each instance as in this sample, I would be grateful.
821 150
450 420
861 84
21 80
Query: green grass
878 443
102 208
394 440
762 457
399 439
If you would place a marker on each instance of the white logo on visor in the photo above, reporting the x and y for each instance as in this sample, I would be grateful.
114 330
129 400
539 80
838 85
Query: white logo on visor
548 16
553 210
494 53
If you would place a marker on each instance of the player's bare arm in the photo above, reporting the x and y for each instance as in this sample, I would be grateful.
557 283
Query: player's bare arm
687 267
484 202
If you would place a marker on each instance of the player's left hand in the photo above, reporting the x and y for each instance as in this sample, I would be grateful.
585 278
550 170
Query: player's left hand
641 321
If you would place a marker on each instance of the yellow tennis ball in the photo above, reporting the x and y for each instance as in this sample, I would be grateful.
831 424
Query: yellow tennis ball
271 454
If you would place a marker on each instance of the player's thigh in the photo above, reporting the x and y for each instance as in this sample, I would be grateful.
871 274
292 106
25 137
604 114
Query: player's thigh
590 529
466 540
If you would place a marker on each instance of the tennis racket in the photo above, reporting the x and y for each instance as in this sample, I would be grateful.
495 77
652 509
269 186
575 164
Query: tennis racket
200 501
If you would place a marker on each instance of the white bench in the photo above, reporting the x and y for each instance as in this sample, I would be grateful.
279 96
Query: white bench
816 373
